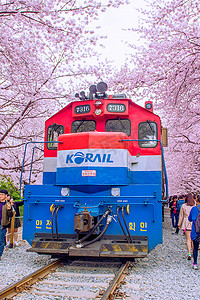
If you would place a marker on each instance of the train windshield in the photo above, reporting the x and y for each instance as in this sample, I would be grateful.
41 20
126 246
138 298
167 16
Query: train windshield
83 126
53 133
148 131
119 125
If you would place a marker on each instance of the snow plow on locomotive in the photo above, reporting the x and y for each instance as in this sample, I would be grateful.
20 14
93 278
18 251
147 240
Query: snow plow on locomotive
104 180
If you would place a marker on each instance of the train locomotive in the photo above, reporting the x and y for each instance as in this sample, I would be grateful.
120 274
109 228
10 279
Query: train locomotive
104 180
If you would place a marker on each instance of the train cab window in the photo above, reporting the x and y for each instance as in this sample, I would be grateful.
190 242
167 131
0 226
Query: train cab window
148 131
119 125
83 126
53 132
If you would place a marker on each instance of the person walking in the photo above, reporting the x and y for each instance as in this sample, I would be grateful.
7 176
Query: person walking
6 214
195 237
173 212
183 222
180 202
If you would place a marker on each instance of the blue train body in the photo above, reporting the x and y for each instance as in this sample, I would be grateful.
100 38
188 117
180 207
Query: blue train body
103 184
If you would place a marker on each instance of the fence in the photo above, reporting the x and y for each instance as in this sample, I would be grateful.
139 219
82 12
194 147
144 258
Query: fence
13 235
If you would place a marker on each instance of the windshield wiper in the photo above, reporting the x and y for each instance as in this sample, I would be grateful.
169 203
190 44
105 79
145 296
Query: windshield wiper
152 130
81 122
121 123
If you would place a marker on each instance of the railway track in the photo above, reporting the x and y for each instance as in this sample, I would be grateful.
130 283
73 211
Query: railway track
77 279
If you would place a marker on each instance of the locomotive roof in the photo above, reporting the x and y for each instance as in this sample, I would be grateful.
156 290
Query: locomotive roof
109 99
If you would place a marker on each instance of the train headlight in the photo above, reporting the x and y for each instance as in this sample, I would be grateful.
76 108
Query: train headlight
65 191
98 111
115 192
98 103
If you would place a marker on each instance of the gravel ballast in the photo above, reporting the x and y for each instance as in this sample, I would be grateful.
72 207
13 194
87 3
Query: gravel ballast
164 274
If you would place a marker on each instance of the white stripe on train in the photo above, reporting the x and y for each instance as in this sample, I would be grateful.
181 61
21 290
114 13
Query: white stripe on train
102 158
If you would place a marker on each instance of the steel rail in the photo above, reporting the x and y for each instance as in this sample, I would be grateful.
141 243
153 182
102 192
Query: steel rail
16 288
109 293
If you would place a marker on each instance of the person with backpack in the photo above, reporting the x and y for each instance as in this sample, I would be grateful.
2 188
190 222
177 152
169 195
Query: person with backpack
194 217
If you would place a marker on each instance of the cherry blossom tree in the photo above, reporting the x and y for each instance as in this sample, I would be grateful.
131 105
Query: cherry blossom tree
166 69
43 46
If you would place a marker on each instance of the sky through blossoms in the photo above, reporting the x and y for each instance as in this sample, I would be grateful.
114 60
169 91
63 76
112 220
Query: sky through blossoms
115 24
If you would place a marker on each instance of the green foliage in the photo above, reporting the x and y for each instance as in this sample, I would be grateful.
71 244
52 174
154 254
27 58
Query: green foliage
7 183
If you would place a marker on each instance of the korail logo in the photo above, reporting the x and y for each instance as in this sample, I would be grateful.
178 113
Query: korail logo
79 157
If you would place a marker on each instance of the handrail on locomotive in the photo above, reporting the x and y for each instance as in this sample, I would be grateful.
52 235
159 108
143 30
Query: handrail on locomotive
23 162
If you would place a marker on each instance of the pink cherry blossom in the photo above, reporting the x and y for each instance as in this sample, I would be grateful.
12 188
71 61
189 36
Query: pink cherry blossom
166 70
41 42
